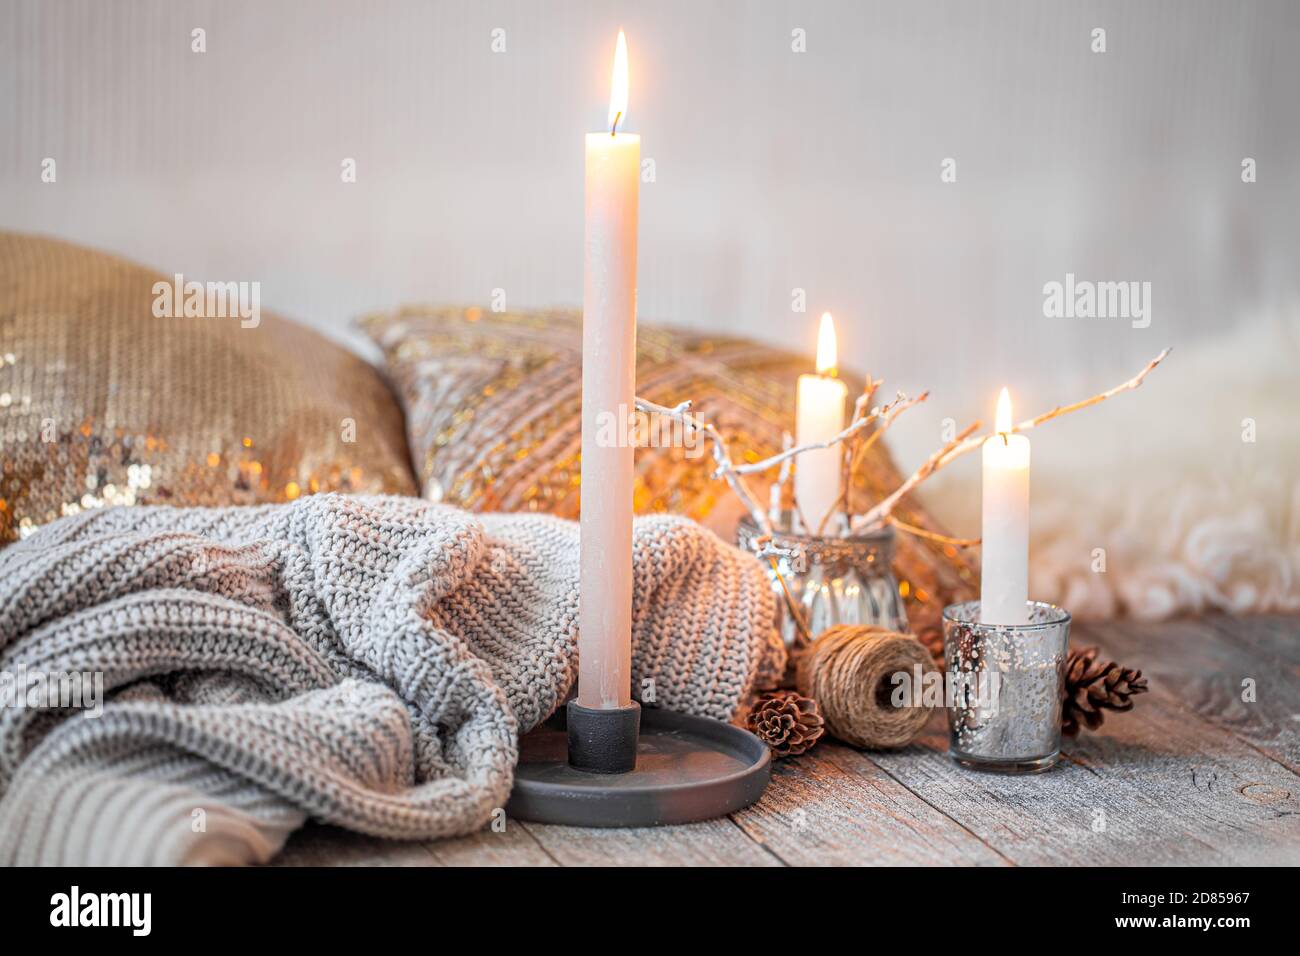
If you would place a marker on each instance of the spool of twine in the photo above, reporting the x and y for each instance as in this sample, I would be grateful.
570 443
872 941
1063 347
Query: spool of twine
848 670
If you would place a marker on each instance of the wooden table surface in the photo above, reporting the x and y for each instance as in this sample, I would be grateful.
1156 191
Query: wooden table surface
1193 775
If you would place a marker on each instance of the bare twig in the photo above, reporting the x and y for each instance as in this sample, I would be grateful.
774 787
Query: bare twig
796 612
885 416
966 442
1059 410
733 474
912 529
860 407
855 426
777 491
725 469
857 442
763 547
849 448
932 464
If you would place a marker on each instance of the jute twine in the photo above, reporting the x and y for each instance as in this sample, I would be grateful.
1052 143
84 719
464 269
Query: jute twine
848 670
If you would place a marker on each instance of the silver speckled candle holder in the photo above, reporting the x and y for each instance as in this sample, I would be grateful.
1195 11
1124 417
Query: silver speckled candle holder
1006 684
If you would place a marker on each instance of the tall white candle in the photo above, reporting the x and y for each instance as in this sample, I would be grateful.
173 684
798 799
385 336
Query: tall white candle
819 416
613 169
1004 557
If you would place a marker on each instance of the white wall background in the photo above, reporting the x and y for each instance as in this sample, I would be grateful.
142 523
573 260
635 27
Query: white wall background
775 170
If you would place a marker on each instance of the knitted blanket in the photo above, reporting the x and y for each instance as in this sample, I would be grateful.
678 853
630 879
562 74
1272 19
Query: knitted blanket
367 662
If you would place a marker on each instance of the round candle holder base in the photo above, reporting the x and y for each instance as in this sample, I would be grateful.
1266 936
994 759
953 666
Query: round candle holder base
687 769
1034 765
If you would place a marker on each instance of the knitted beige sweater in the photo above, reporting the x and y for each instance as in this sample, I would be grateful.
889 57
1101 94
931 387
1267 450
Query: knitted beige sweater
368 662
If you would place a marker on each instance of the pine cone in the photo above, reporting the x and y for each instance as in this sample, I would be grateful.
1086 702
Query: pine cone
787 722
1091 688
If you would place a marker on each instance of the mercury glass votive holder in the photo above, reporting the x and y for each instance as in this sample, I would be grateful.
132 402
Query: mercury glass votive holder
832 580
1005 684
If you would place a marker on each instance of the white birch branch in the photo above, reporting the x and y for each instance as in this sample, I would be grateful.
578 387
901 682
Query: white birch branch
966 443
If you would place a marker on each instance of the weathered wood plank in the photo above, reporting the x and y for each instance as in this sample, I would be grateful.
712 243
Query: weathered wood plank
833 807
514 846
1203 662
1192 776
715 843
1167 785
1227 793
320 845
1277 635
1047 819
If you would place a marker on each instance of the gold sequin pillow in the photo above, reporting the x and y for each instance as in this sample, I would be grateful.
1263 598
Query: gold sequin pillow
103 402
492 404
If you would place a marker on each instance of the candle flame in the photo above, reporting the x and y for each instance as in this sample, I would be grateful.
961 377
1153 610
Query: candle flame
618 85
1003 419
826 357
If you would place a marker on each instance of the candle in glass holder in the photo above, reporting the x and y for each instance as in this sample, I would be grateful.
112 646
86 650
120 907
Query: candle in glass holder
819 417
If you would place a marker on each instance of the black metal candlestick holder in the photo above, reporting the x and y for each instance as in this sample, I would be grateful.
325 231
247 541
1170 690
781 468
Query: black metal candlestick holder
603 741
635 767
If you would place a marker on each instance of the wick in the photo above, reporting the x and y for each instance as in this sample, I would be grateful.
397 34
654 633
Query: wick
614 128
1005 439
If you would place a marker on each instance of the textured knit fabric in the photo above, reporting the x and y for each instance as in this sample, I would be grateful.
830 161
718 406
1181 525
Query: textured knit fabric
368 662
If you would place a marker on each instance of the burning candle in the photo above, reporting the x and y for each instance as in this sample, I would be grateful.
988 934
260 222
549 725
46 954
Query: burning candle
613 167
819 416
1004 581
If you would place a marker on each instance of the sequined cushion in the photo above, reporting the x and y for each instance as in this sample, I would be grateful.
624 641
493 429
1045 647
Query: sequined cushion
102 402
492 405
